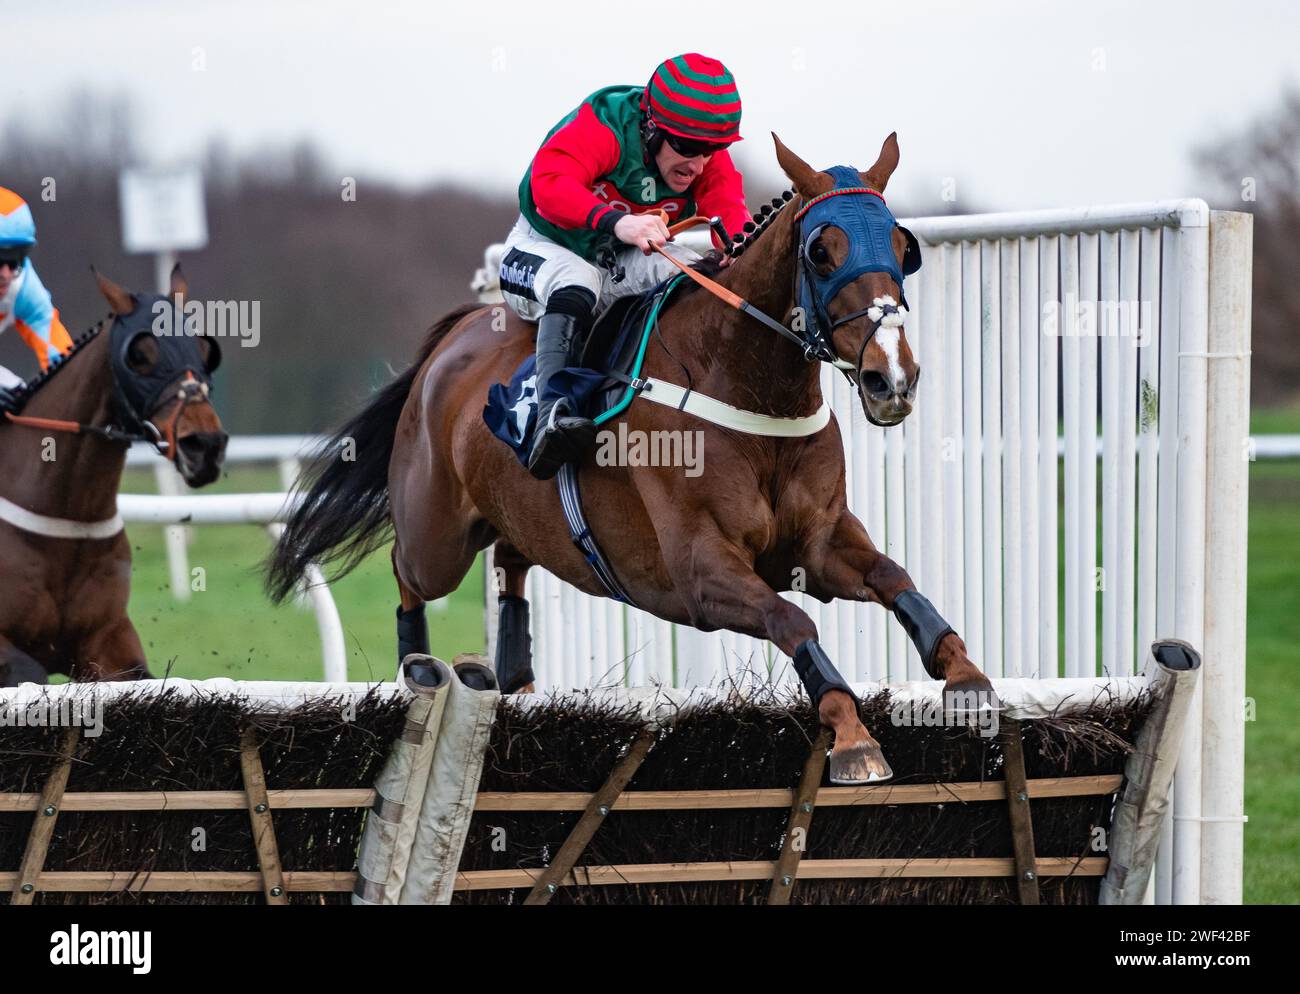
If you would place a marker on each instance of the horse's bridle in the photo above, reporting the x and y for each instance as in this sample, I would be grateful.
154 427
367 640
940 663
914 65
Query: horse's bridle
190 391
870 252
869 229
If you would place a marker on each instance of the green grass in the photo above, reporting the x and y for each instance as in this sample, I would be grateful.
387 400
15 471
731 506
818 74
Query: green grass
231 630
1272 870
1276 421
1272 858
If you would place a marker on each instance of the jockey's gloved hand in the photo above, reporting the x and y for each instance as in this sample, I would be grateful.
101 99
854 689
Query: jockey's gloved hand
10 400
642 230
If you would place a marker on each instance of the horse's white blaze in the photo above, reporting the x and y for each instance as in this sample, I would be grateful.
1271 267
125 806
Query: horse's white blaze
887 339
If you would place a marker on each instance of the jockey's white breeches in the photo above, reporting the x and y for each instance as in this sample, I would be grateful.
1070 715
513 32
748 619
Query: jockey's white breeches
534 267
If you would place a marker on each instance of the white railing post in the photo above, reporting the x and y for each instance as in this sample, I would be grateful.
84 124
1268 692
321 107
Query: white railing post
176 538
290 468
1189 603
1228 478
334 656
315 591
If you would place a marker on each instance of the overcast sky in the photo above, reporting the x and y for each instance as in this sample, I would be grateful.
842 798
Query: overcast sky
1018 104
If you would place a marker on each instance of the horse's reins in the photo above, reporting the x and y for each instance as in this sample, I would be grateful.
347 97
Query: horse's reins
164 440
106 432
717 289
817 348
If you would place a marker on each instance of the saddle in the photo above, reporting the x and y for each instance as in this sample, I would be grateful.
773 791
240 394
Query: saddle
613 345
599 385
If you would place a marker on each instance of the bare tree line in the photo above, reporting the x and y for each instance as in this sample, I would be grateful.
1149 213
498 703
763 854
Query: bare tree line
346 288
1258 170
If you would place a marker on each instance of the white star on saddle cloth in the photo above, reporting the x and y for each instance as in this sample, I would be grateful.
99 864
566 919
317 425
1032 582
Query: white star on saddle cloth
525 404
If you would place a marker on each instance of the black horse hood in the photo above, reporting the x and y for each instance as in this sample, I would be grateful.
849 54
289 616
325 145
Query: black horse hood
138 392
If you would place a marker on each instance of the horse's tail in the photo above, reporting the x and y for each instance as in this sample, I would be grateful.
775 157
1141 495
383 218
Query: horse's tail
343 514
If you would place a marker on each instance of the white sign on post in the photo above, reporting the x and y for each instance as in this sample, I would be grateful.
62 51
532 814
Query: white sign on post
162 213
162 210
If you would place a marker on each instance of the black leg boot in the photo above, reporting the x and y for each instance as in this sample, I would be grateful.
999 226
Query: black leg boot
412 633
561 435
514 662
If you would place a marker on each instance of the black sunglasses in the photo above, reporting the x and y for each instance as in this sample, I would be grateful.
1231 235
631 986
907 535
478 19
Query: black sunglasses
12 258
691 147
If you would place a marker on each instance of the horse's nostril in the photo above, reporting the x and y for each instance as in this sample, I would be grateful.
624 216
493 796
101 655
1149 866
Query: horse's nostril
202 444
874 384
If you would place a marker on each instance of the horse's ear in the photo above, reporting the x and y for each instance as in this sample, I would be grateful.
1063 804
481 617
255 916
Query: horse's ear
878 175
808 182
210 350
118 299
180 287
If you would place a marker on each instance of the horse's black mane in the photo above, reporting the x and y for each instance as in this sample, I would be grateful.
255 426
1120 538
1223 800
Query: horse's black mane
755 228
32 386
711 264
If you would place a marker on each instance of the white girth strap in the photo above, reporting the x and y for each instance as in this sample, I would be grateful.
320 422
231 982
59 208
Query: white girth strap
749 422
40 524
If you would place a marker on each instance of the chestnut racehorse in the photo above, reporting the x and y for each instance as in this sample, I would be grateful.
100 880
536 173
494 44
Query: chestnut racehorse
67 561
709 550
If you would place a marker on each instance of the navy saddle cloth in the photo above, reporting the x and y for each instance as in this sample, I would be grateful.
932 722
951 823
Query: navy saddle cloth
612 346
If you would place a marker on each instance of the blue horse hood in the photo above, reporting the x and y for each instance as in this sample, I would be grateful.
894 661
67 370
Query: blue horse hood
869 225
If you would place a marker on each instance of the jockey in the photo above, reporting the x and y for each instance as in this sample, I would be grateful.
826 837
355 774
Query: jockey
24 302
585 232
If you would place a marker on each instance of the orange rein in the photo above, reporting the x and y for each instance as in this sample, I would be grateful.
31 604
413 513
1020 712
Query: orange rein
719 291
50 424
165 437
726 296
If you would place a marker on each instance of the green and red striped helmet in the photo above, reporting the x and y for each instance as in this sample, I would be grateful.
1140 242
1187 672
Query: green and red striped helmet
695 97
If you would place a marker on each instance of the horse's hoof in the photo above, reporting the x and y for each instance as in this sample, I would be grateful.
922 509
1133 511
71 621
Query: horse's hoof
972 703
856 765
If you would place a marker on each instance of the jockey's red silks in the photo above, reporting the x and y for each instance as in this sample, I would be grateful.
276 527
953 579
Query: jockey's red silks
591 170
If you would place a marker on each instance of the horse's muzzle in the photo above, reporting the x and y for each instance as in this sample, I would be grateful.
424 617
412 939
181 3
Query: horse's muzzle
199 456
883 408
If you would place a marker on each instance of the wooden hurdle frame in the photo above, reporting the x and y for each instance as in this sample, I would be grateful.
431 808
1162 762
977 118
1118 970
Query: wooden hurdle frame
275 883
1141 794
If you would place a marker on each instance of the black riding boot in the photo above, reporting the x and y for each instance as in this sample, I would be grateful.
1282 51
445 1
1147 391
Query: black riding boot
561 435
